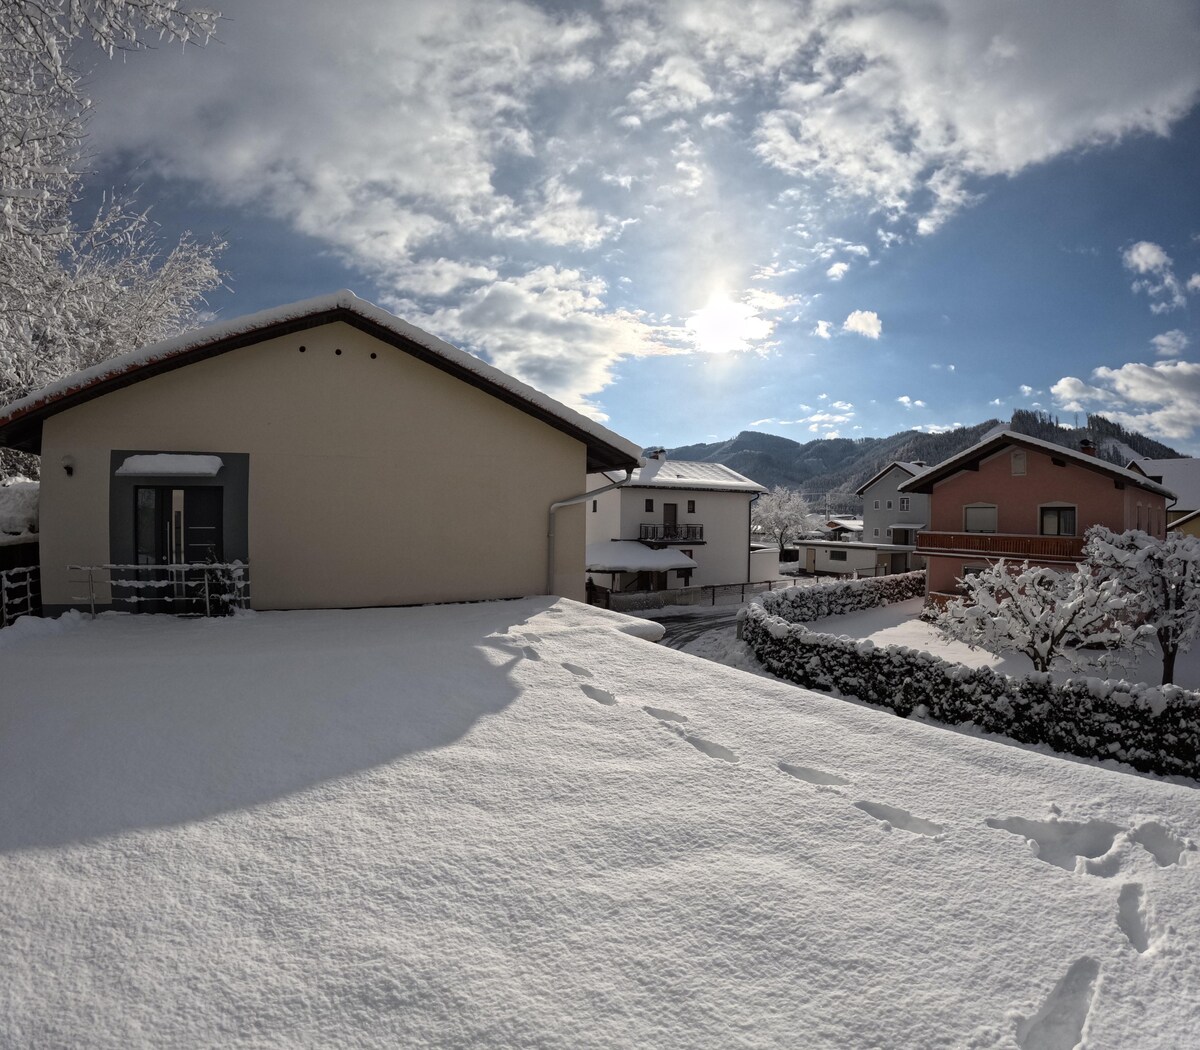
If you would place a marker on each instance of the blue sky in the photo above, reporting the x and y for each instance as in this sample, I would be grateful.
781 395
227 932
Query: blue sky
693 218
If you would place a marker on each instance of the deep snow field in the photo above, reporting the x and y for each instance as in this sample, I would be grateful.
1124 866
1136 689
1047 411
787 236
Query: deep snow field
512 824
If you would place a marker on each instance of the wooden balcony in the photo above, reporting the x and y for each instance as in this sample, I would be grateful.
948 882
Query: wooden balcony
1002 545
663 533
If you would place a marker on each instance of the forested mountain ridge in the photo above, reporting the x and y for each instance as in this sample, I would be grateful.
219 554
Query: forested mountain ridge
829 470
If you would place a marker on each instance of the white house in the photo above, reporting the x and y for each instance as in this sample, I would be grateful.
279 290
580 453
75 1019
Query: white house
1181 476
892 519
674 524
350 458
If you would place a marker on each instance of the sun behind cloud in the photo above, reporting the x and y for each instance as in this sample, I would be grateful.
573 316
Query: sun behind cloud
723 326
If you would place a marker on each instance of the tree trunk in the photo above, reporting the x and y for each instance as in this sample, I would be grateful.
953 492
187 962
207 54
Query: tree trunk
1168 677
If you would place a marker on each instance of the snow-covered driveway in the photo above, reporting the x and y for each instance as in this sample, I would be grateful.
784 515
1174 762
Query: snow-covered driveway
509 824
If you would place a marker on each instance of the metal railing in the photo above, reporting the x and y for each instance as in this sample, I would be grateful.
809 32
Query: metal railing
197 588
20 593
664 533
1002 545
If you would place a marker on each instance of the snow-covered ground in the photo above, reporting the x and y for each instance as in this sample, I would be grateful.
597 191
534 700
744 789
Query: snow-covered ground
510 824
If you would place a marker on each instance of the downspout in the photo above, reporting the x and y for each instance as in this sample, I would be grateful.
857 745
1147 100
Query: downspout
750 532
554 507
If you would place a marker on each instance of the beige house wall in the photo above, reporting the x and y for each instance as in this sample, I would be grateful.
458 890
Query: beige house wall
375 479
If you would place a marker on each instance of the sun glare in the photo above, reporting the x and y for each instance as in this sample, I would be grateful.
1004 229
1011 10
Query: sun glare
724 327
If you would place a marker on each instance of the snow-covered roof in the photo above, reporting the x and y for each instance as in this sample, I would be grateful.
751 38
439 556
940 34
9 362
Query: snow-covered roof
1181 476
911 469
508 824
20 422
925 481
852 524
688 474
631 556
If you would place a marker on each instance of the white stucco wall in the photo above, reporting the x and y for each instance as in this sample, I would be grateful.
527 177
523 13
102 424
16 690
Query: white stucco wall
372 481
884 491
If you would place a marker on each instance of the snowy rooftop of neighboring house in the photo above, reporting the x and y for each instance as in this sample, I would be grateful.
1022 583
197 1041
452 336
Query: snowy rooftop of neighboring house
853 524
509 824
18 508
666 473
912 469
631 556
1181 476
1000 439
20 422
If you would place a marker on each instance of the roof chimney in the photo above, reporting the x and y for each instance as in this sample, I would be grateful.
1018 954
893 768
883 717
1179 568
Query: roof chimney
1087 447
657 453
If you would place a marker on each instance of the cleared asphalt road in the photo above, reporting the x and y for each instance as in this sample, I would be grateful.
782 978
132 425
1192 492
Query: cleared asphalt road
682 630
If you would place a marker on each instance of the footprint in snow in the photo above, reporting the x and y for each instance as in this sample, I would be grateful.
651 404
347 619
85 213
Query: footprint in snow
707 747
894 817
1131 916
1058 1025
577 671
530 653
1063 842
1164 847
601 696
530 636
812 776
664 715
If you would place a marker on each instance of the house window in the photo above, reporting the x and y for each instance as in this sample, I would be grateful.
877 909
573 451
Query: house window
979 517
876 531
1018 463
889 504
889 532
649 505
837 555
594 502
1057 521
686 554
691 506
877 504
904 502
969 570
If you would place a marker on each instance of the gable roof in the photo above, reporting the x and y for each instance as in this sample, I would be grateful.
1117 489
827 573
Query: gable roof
912 469
970 458
21 421
1182 476
689 474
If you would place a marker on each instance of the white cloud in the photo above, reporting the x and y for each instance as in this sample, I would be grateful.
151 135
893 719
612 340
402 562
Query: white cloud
1193 284
864 322
822 330
909 402
1026 390
1158 279
1162 399
677 85
996 401
1170 344
837 271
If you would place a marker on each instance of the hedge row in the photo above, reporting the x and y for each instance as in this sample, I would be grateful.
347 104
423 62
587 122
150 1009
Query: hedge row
1153 728
805 604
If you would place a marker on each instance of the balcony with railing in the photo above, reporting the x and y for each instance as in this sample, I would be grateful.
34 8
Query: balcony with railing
662 532
1002 545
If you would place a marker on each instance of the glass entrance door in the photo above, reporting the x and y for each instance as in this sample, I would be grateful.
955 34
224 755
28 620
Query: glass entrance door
175 527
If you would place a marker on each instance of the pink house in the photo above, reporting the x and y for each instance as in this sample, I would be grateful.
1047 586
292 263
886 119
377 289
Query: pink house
1018 498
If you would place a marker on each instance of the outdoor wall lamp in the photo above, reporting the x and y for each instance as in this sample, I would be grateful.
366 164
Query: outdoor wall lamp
68 465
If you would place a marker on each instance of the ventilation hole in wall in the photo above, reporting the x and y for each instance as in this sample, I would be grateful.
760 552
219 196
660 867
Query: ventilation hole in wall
373 356
338 352
303 348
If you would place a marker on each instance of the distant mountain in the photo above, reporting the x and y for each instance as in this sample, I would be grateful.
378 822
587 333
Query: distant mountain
829 470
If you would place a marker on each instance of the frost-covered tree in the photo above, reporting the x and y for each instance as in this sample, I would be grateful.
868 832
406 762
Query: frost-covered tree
782 515
1038 612
1160 580
71 296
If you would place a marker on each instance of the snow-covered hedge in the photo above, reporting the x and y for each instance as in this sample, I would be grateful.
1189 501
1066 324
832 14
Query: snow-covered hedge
805 604
18 506
1153 728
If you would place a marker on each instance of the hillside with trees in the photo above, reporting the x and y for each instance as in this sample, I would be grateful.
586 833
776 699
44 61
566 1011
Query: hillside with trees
828 471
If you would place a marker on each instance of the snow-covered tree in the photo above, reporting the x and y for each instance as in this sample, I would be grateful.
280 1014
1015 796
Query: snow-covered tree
1038 612
1160 580
781 515
73 296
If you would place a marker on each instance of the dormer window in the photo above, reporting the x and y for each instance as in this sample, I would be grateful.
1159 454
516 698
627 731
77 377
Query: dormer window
1018 463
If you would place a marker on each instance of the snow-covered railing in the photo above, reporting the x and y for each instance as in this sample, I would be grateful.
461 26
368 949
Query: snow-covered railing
1153 728
216 588
18 593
